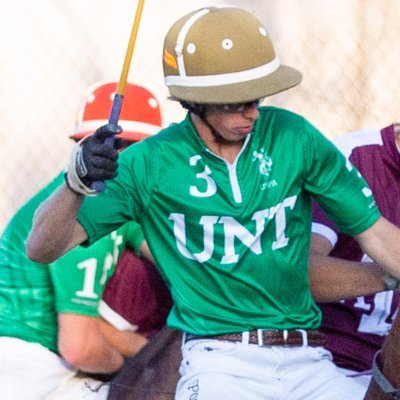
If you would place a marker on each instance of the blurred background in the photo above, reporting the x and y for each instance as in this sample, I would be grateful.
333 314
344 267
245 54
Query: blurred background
52 51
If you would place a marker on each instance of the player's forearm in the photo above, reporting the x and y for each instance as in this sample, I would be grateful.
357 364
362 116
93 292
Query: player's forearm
82 344
105 360
93 354
127 343
54 229
381 243
333 279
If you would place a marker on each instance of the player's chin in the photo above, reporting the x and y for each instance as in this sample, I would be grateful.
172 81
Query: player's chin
243 130
239 135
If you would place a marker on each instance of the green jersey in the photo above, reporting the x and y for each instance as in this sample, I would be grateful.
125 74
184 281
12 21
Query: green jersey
32 294
232 240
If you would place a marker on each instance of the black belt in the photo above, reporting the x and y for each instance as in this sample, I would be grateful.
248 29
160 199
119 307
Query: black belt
269 337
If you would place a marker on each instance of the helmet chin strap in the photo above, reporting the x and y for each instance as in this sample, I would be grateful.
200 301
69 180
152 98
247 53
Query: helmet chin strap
200 111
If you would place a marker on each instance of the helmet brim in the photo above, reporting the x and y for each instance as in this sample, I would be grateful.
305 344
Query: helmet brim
131 137
282 79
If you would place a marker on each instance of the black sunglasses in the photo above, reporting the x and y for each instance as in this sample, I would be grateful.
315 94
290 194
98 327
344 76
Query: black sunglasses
232 108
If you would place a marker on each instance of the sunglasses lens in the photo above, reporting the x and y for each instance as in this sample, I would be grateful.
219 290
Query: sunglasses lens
234 108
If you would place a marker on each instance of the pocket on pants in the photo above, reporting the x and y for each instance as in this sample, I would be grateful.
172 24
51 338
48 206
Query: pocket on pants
198 353
208 346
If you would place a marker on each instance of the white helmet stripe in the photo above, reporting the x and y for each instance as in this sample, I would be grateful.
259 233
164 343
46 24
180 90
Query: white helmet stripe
128 126
180 40
223 79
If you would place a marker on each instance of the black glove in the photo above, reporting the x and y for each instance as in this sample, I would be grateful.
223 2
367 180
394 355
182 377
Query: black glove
94 159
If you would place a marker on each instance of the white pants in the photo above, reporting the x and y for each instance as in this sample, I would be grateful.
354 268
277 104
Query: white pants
29 371
220 370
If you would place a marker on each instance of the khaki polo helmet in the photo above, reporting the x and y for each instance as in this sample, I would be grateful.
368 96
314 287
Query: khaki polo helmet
223 55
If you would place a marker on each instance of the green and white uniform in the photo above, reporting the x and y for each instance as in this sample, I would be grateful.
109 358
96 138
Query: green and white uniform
31 294
232 240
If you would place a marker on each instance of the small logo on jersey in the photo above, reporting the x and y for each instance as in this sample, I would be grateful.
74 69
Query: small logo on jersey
367 192
264 168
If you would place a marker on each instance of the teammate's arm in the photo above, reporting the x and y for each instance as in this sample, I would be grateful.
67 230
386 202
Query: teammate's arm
126 342
334 279
82 344
381 243
55 228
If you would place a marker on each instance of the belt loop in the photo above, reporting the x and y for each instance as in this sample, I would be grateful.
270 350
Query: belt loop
245 337
183 340
260 338
304 336
285 335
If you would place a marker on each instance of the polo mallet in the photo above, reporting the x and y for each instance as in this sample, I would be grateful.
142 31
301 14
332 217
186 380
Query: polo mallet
99 186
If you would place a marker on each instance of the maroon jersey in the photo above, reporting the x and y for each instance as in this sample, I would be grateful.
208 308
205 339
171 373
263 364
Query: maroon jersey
357 328
136 298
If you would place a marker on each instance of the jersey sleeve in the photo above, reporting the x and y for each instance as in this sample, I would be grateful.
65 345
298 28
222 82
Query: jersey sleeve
323 225
337 185
136 298
134 235
79 276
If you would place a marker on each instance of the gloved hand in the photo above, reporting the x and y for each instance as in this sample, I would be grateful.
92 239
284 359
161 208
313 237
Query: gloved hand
94 159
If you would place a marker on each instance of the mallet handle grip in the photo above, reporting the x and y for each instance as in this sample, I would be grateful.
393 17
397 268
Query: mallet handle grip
99 186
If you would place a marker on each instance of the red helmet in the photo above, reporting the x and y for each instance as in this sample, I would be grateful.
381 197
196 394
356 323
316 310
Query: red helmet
140 114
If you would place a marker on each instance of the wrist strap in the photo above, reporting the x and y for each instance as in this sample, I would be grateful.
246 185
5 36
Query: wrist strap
381 380
69 187
72 178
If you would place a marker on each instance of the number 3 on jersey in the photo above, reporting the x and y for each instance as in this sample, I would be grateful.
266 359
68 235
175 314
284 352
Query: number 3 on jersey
211 187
